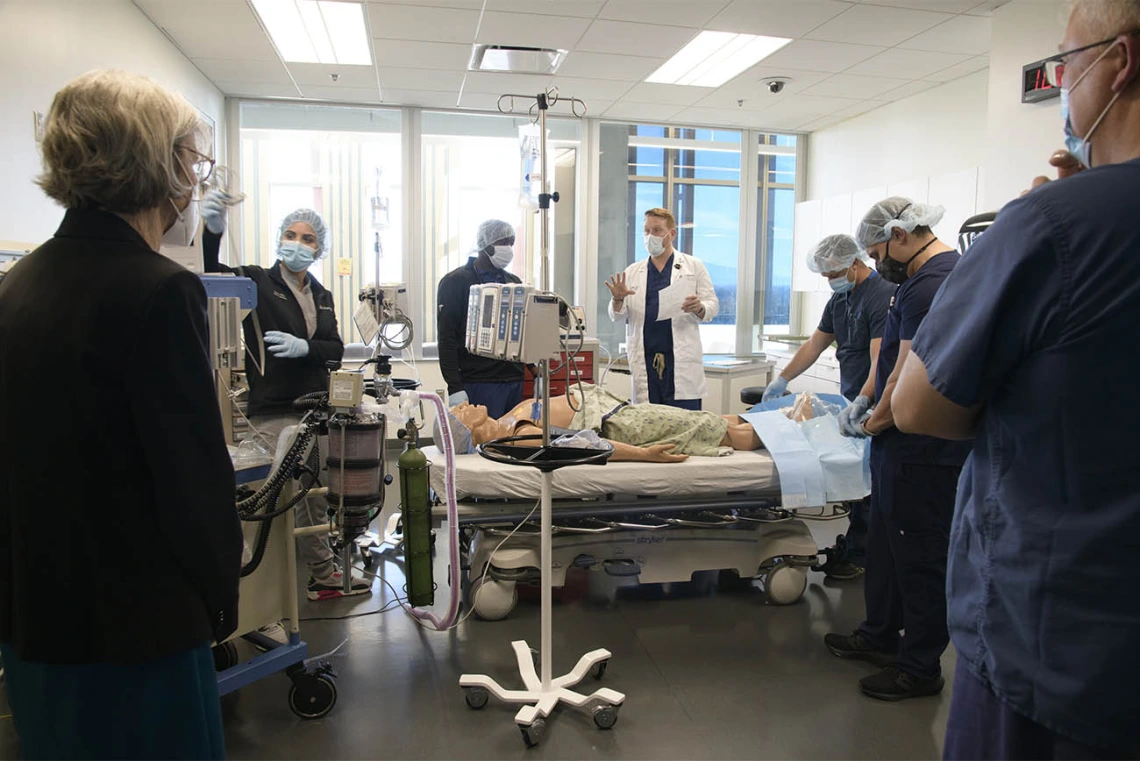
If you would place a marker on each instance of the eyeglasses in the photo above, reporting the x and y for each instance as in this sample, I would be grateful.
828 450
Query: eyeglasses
1055 65
203 167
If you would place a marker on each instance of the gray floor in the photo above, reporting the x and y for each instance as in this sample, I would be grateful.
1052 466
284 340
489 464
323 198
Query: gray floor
709 673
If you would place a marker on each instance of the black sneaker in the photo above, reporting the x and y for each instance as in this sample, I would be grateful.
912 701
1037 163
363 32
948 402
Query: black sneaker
843 571
857 647
892 683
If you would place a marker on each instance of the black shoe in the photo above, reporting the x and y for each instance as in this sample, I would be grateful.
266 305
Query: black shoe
857 647
843 571
892 683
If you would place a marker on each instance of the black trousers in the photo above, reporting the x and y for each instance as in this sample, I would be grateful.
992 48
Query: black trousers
907 541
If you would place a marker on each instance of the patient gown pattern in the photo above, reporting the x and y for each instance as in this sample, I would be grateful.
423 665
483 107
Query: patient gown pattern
691 432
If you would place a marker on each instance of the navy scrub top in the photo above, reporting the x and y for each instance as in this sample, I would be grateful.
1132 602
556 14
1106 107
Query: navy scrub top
657 335
1034 327
855 319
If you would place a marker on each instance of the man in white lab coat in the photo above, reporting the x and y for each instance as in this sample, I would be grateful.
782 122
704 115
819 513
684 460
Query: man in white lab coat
665 355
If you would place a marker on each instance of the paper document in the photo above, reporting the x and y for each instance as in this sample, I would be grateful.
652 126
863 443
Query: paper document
673 296
366 322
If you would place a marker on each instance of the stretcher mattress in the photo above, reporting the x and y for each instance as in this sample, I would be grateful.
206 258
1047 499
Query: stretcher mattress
740 472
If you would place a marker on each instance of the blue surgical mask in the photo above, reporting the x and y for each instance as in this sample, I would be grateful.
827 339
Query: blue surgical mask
295 255
1081 147
840 284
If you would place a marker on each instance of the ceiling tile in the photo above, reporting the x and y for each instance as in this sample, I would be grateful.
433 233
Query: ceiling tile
860 108
772 122
580 8
406 22
231 28
420 98
532 30
751 88
627 38
987 8
641 111
590 90
473 5
776 18
941 6
419 79
803 108
964 34
233 70
909 89
672 12
960 70
855 86
317 74
821 123
876 25
421 55
678 95
497 84
342 95
718 117
254 90
813 55
914 63
622 68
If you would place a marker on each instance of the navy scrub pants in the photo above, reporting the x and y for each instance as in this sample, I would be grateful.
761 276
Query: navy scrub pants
498 398
907 542
857 532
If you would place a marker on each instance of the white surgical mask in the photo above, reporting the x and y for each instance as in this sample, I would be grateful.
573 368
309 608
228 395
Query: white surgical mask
182 232
502 256
655 245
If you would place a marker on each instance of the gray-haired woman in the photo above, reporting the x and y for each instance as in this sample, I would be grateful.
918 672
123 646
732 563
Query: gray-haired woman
119 542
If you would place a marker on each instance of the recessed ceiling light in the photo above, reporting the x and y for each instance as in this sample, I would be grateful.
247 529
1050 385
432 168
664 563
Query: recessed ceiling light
713 58
515 60
316 31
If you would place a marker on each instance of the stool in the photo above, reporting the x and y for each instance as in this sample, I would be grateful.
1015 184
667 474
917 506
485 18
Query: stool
752 395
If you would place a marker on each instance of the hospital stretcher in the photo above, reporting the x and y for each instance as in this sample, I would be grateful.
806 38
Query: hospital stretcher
651 521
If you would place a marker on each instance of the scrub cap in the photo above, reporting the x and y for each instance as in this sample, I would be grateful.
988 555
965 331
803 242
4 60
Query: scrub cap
893 212
833 253
492 231
313 220
460 435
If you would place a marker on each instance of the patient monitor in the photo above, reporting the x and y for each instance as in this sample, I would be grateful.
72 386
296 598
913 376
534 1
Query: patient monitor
512 322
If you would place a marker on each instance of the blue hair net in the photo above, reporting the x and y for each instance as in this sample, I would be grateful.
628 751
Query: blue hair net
893 212
833 253
460 435
493 231
313 220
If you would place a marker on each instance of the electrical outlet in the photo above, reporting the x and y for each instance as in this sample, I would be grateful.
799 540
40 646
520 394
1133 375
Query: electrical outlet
38 125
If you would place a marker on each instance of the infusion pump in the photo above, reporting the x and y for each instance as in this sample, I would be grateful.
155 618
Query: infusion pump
512 322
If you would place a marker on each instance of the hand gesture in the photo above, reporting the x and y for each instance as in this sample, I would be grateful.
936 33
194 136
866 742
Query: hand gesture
618 289
662 453
693 305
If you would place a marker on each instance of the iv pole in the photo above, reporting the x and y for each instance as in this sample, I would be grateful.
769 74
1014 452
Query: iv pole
543 691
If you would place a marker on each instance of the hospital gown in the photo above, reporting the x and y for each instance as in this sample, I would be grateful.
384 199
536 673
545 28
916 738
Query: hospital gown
691 432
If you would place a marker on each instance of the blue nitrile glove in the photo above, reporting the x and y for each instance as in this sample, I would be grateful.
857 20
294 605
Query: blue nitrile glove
852 413
459 397
214 211
286 345
776 388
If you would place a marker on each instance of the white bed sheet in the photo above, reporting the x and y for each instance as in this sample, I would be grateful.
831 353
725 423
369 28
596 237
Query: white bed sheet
476 476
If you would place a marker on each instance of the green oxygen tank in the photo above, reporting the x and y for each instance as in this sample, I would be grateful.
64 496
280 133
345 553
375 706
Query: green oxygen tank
415 506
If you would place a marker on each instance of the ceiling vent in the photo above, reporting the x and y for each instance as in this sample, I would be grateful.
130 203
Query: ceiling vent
509 59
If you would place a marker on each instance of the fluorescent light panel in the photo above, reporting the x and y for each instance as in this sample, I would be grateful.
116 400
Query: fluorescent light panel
316 31
712 58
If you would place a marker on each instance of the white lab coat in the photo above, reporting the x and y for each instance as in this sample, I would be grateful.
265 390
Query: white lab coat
688 354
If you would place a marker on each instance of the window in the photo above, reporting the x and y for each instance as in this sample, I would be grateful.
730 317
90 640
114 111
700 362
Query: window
775 213
345 164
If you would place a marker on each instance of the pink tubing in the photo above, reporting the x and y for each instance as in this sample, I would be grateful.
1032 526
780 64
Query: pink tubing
449 618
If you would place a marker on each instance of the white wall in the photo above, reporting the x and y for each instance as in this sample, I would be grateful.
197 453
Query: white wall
1020 136
934 133
46 43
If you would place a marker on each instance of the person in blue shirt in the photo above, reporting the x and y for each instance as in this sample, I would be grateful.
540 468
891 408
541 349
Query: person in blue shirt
913 478
1025 351
853 320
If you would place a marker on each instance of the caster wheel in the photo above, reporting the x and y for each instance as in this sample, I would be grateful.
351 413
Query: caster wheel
312 695
225 656
492 599
476 697
785 584
598 670
533 734
605 716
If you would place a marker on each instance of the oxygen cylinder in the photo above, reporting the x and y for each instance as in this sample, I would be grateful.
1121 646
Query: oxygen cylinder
415 506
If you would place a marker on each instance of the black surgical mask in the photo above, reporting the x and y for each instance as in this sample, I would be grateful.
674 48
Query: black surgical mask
894 271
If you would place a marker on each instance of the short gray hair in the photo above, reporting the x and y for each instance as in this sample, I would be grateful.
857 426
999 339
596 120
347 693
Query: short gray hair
110 143
1110 16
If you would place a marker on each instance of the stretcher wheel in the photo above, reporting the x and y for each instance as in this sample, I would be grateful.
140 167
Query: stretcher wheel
312 695
605 717
476 697
493 600
225 656
785 584
598 670
532 735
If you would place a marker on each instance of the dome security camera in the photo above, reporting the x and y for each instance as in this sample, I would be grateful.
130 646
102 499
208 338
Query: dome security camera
776 86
